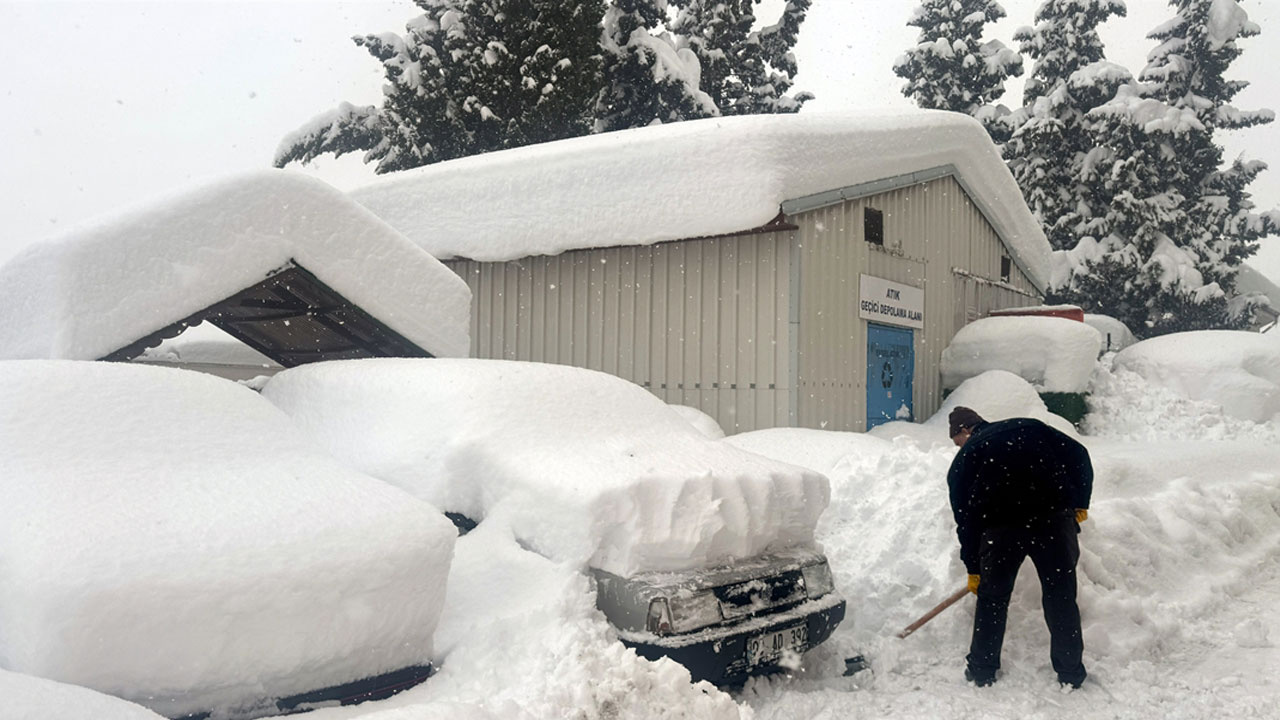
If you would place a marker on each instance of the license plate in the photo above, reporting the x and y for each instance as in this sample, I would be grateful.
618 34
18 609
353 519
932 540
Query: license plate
770 646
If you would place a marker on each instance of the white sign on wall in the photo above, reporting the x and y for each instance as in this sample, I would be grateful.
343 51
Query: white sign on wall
889 302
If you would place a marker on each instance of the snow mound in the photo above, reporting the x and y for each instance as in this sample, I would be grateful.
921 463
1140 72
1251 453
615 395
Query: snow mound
1239 371
889 535
995 395
32 698
1126 406
526 642
583 466
1177 572
709 177
1053 354
704 423
170 538
109 284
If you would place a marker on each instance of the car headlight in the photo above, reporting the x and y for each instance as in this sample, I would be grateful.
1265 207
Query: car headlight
817 579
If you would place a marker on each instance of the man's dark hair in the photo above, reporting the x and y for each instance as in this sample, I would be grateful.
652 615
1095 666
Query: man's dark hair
963 418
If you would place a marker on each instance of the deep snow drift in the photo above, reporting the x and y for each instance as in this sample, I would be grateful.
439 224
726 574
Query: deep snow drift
1178 584
582 466
1180 569
1240 371
1178 580
169 537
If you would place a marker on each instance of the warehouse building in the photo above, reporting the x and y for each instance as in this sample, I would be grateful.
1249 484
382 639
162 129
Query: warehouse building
798 270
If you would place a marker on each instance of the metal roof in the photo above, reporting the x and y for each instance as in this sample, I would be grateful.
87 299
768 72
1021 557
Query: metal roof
293 318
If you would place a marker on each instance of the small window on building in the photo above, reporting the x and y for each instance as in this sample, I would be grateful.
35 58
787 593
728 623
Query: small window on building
1006 267
873 226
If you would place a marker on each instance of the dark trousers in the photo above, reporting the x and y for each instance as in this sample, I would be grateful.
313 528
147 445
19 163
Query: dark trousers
1054 548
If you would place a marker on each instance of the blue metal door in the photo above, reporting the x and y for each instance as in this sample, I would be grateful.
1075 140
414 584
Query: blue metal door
890 362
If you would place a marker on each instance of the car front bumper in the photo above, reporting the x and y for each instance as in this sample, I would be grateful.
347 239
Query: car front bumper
719 655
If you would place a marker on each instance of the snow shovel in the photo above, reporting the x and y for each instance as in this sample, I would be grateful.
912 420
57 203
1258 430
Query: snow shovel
858 663
951 600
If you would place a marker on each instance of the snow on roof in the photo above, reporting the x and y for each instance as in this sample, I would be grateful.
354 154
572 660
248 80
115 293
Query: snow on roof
690 179
171 538
109 284
1052 353
583 466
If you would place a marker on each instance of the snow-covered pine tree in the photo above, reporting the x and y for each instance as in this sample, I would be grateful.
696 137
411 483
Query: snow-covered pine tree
647 79
1069 77
1187 71
1127 265
745 71
1177 223
468 76
951 68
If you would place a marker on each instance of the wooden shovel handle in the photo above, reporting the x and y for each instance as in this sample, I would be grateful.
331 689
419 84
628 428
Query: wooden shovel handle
951 600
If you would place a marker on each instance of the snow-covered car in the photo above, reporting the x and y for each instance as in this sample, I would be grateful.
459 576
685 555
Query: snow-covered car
170 538
701 552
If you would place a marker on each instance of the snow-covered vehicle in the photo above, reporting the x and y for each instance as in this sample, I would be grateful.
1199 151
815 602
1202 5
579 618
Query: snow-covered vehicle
701 552
170 538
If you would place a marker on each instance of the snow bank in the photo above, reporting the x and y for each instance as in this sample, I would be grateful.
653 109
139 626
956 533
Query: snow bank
1126 406
525 642
170 538
31 698
1178 573
1240 371
107 285
995 395
584 466
1054 354
689 179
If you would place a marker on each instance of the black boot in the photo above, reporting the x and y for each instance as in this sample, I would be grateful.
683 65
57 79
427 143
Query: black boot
981 680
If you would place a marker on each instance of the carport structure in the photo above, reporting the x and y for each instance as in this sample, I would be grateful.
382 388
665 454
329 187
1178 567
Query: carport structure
282 262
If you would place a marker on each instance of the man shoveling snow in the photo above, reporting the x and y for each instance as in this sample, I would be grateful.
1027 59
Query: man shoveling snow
1019 488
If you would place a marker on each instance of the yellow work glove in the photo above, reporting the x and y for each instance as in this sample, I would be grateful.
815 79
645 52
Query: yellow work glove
973 584
1081 515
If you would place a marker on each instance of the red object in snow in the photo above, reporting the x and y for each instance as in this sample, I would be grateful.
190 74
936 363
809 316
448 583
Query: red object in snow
1070 312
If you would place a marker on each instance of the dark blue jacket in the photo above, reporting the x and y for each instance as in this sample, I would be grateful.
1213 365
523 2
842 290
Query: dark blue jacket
1015 472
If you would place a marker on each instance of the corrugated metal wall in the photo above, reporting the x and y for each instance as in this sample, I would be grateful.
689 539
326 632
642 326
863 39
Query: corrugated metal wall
698 322
931 231
712 323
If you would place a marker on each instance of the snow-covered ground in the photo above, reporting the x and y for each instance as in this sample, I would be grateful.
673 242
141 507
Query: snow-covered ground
171 538
580 465
1180 570
1179 575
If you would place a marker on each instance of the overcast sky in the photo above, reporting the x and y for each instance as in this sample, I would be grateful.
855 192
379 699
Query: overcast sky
108 104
